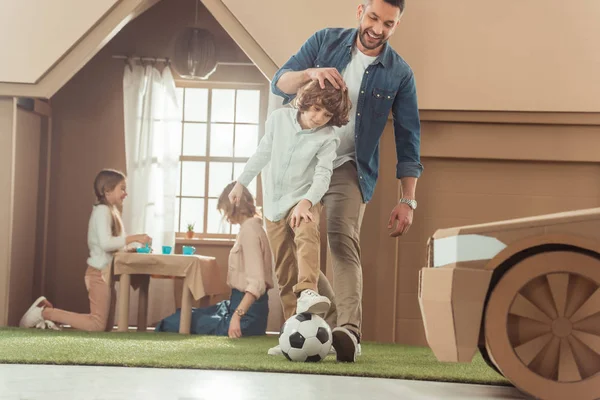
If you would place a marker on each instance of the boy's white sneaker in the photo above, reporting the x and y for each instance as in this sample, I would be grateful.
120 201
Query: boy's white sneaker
312 302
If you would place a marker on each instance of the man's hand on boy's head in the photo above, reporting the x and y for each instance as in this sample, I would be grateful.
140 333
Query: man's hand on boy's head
301 212
330 74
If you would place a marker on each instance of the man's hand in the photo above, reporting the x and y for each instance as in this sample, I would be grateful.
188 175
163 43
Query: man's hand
403 215
330 74
235 330
301 211
236 194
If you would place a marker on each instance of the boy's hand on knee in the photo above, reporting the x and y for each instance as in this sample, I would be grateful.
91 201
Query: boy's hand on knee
301 212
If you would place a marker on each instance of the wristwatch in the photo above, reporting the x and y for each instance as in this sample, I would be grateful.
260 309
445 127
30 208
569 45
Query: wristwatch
411 203
240 312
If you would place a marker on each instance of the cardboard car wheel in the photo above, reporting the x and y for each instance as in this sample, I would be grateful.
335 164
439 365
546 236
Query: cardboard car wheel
488 360
542 325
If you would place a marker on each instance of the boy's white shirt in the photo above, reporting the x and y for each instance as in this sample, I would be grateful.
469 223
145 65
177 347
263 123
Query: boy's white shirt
101 242
296 163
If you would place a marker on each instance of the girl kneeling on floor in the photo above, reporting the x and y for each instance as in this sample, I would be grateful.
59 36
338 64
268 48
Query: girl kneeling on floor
249 276
105 237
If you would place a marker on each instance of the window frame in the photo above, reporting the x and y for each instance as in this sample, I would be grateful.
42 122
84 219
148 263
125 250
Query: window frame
208 159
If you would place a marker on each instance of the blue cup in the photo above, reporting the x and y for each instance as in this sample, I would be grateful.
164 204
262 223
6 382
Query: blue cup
189 250
144 250
167 249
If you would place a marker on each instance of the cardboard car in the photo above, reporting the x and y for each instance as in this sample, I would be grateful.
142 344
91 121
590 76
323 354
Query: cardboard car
526 294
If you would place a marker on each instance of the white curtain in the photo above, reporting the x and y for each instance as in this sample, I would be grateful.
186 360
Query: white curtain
152 145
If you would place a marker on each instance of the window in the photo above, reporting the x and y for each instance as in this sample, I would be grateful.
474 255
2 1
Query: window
220 130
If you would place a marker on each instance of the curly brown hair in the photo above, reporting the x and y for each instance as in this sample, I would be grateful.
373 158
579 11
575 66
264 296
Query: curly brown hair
232 212
336 101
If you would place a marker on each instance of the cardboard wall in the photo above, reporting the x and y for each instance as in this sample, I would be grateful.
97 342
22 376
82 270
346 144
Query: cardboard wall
474 172
45 31
538 55
26 184
20 134
7 129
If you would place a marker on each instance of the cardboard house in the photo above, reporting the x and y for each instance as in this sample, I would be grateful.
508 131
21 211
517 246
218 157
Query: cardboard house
499 132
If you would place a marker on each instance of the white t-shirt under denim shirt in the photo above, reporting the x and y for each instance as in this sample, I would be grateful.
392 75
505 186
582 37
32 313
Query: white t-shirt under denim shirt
101 242
296 163
353 75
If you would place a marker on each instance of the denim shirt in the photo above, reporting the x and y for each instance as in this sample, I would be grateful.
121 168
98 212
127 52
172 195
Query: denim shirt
388 84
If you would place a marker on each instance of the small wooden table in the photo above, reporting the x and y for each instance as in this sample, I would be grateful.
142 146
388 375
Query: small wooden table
200 276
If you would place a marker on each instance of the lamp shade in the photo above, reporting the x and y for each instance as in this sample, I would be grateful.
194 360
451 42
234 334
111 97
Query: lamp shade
195 53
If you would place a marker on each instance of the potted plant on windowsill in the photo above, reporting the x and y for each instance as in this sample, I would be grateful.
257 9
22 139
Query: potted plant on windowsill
190 231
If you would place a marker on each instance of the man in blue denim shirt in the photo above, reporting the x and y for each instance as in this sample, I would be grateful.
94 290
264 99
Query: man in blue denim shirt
379 81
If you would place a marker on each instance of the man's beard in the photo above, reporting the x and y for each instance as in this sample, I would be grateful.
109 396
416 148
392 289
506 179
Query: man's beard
363 40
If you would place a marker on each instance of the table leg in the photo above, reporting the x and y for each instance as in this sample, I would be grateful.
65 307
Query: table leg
185 320
124 284
143 303
177 291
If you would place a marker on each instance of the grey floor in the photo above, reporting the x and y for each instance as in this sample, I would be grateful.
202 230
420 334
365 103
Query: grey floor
33 382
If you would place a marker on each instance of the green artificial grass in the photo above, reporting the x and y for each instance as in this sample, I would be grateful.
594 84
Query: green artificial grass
166 350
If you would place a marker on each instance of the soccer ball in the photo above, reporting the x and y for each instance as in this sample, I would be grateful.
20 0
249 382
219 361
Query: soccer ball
305 337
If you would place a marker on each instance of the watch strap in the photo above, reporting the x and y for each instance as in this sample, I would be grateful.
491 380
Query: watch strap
410 202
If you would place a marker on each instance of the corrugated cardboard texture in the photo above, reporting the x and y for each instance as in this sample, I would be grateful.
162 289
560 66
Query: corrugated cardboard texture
542 325
451 300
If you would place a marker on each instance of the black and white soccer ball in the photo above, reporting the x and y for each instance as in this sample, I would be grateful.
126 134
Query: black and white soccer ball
305 337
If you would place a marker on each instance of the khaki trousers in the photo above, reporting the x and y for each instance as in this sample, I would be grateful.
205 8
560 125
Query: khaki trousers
297 261
345 211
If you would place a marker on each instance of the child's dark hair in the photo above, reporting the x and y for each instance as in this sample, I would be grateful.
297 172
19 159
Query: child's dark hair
230 211
336 101
106 181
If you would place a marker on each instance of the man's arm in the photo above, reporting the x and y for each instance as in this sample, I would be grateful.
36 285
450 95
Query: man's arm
409 186
298 71
291 81
407 133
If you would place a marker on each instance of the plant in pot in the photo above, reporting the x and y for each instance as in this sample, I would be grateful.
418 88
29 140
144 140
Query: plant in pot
190 231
